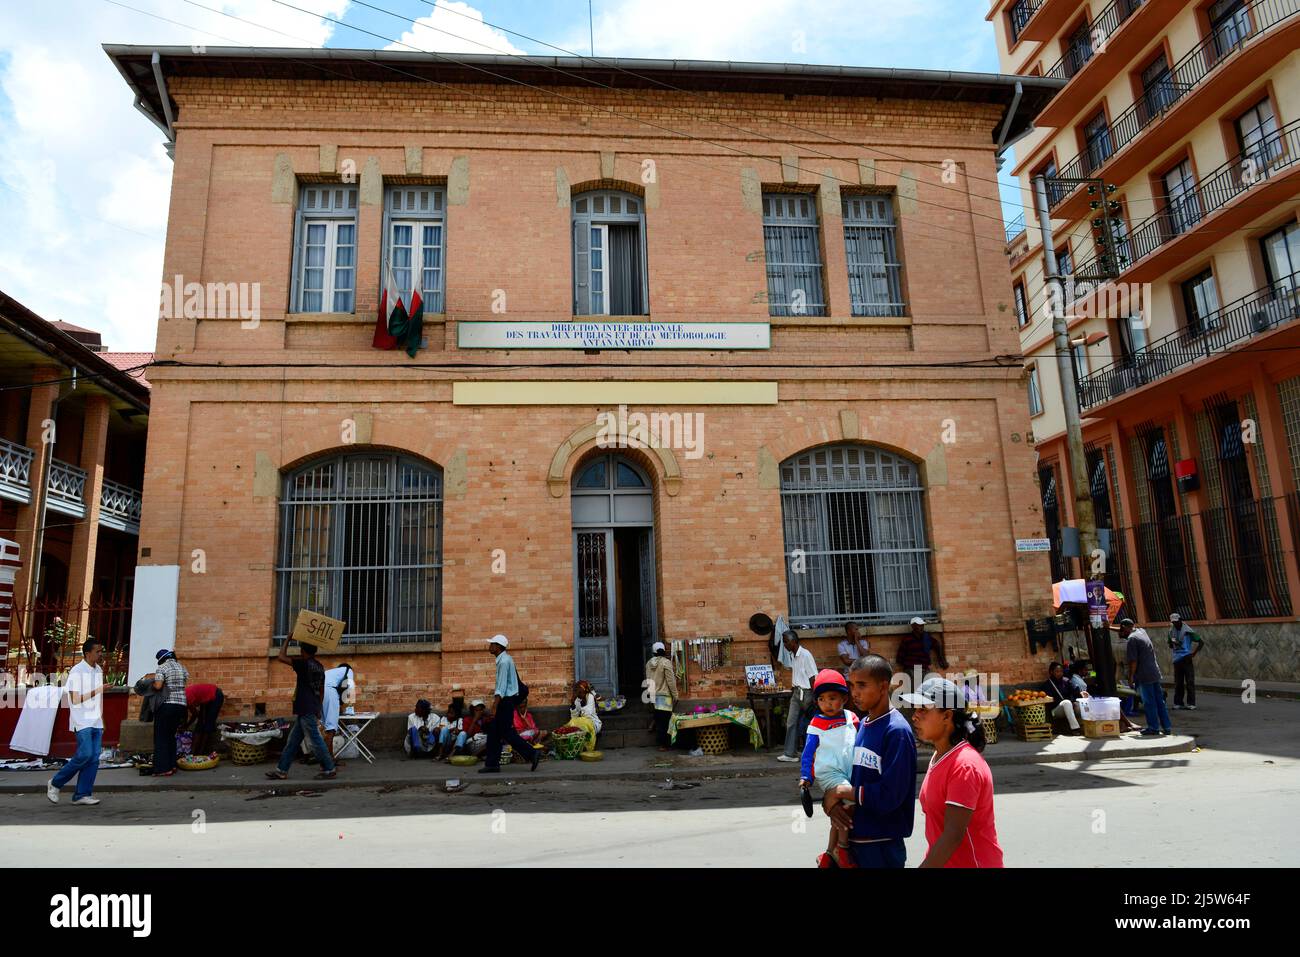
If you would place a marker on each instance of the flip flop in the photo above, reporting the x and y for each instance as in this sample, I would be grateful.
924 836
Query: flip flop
805 796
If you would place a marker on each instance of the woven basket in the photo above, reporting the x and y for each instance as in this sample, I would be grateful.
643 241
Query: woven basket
1031 714
712 739
189 762
245 754
990 729
507 753
569 746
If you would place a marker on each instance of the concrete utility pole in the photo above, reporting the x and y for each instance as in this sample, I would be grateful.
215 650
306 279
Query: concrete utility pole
1080 480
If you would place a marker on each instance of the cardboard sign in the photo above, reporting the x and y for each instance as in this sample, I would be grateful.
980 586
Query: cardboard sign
319 630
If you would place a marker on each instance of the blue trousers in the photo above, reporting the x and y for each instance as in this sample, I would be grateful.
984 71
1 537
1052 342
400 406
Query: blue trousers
84 764
1153 703
880 854
306 724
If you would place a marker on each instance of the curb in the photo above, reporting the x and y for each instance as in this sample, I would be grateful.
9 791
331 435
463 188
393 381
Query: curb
1181 745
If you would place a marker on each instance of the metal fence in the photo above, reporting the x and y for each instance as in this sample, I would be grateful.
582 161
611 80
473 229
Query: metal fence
1099 31
44 637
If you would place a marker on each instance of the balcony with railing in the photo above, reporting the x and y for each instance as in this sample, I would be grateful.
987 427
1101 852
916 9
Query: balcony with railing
1019 14
1202 81
1256 314
1040 19
15 471
119 505
1269 170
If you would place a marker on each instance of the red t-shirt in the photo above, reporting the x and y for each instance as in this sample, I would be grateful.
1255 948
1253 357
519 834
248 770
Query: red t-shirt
200 694
962 777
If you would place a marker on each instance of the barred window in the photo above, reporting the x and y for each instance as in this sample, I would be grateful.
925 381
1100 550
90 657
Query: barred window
361 541
855 541
875 274
792 248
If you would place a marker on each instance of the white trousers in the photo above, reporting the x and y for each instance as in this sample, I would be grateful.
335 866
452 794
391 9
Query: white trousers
1066 708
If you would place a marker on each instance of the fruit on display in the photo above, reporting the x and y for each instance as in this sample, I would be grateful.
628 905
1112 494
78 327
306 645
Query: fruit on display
1019 698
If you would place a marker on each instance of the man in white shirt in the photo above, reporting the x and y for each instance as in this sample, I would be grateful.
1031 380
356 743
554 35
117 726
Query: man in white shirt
86 709
803 671
853 647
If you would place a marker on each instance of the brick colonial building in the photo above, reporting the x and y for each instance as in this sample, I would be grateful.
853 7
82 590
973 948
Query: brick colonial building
825 242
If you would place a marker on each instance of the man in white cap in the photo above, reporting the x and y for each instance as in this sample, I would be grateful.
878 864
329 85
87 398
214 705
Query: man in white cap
661 691
501 720
1186 645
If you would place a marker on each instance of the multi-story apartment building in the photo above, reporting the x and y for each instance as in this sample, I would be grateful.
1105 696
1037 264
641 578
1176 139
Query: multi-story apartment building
798 270
1185 352
73 420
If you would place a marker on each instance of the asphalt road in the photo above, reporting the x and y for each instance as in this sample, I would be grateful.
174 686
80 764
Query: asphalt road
1230 804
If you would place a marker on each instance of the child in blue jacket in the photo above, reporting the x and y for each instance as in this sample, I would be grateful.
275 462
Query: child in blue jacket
827 758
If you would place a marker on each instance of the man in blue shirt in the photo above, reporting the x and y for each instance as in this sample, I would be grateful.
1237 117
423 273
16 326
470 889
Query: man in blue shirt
500 720
1186 645
884 771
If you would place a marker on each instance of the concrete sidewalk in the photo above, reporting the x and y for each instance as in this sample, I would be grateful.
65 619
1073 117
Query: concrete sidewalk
624 764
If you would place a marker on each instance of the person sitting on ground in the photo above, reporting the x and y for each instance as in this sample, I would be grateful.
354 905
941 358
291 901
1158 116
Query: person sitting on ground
527 727
421 731
203 702
451 733
475 729
827 759
1079 671
1063 695
584 714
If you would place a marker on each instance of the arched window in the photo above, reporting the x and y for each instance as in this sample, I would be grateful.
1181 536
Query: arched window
609 271
855 542
361 540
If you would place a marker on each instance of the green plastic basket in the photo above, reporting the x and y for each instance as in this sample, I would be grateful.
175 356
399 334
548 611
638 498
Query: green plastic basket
569 746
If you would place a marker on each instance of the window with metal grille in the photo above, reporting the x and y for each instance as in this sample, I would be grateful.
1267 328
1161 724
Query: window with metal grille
609 264
875 274
792 248
361 541
1017 16
1201 303
1052 520
414 222
1022 307
853 518
325 249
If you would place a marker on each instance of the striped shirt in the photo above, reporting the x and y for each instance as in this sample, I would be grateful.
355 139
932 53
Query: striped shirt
173 676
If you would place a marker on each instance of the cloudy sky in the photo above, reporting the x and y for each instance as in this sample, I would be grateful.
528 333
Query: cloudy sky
84 180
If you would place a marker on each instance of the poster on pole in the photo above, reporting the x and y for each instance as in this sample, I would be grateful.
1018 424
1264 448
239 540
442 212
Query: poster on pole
1096 602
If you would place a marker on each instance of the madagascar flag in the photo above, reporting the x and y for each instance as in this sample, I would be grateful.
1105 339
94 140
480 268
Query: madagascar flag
389 299
414 324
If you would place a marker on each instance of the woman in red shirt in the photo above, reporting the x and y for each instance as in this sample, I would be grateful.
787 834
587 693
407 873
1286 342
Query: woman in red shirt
957 793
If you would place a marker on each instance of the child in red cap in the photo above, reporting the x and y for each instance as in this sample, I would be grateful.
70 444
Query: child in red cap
828 758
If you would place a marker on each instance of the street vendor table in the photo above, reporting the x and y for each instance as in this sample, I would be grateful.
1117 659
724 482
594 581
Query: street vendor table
764 704
714 719
361 720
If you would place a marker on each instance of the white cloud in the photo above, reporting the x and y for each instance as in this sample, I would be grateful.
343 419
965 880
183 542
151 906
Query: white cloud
84 180
453 27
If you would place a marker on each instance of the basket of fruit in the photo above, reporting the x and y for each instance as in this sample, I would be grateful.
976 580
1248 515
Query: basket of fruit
1029 707
197 762
569 742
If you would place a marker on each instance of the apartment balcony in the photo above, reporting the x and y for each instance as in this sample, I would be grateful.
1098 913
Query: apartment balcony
1116 35
119 505
1254 315
1229 198
1040 19
1215 71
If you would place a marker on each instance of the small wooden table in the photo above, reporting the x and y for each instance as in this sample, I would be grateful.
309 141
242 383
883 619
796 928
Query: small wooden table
712 743
763 704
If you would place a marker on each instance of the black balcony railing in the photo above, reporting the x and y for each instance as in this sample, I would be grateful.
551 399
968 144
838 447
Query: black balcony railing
1272 155
1263 310
1021 12
1015 228
1099 31
1166 92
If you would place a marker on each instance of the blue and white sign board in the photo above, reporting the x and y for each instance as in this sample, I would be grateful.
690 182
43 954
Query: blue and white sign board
604 334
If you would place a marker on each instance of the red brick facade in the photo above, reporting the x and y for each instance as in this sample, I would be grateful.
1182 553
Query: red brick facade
241 405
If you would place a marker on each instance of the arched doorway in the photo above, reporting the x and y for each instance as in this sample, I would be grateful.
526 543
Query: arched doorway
615 611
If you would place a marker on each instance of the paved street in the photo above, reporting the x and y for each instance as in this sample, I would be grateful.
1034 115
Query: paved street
1229 804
